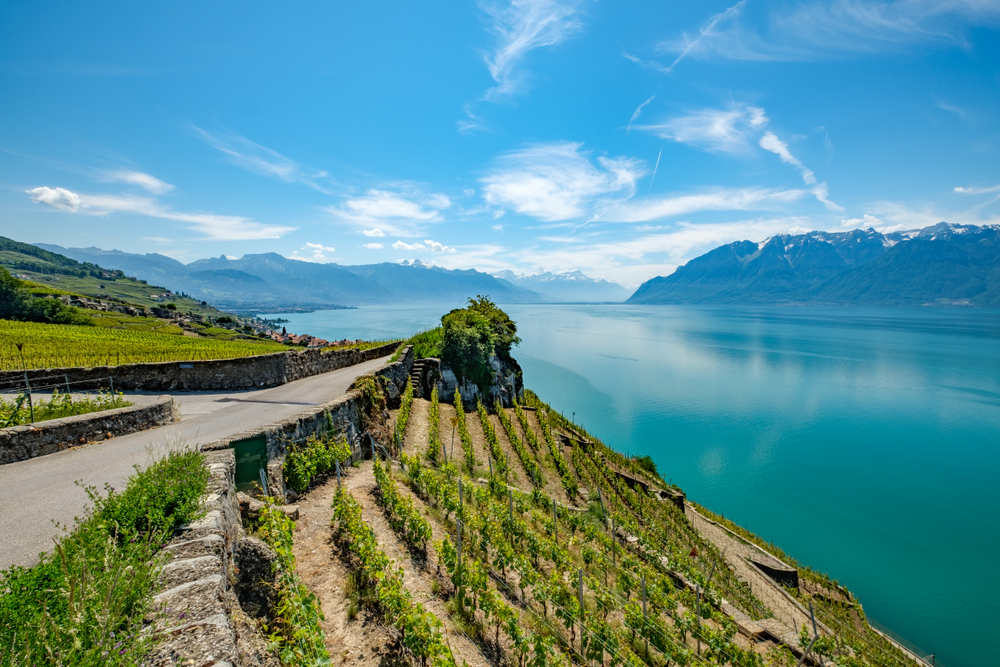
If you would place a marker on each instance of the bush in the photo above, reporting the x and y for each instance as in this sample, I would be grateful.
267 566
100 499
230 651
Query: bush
17 304
84 604
427 344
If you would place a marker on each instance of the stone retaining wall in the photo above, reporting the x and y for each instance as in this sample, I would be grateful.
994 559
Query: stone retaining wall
344 413
200 621
266 370
18 443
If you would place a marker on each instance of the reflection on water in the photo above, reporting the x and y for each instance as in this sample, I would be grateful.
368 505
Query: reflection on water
863 441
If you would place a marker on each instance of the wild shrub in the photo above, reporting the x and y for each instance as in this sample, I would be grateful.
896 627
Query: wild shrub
84 603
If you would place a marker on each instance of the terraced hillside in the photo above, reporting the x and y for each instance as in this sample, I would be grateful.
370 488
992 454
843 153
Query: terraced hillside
510 537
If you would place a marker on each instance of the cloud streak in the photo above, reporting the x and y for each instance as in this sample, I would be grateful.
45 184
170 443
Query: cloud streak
522 26
144 181
212 226
427 245
401 213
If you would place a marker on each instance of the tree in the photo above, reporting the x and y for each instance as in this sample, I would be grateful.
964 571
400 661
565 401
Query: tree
504 329
468 343
13 299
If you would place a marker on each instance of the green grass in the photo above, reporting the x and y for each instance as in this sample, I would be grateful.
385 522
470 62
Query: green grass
15 413
84 604
60 346
427 343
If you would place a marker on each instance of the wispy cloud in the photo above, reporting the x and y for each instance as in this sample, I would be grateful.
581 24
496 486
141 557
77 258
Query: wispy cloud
522 26
314 252
941 104
427 245
145 181
738 199
648 64
815 30
400 212
733 131
717 130
706 33
260 159
638 111
373 246
770 142
212 226
977 191
558 181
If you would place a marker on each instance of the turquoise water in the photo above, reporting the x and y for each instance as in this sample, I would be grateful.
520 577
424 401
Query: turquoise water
864 442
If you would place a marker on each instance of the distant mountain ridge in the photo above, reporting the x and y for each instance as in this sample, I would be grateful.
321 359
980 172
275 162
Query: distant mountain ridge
270 282
569 286
945 264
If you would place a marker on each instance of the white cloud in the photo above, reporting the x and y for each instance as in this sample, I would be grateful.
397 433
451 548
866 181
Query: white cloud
977 191
941 104
522 26
770 142
738 199
865 221
216 227
150 183
497 228
399 213
638 111
557 181
822 194
706 33
373 246
318 251
64 200
815 30
648 64
717 130
428 245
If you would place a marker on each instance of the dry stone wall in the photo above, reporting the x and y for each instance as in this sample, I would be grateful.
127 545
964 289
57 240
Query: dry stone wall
266 370
18 443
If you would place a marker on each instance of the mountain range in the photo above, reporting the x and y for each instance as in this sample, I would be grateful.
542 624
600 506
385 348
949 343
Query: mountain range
945 264
571 286
270 282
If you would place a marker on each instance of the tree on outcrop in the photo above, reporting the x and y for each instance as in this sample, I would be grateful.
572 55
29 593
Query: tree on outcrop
472 335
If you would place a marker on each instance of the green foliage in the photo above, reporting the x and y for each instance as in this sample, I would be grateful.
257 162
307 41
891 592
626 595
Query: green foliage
85 602
565 475
403 515
500 465
472 335
646 463
463 432
405 408
56 346
16 412
297 628
17 304
427 344
421 630
529 462
318 455
433 430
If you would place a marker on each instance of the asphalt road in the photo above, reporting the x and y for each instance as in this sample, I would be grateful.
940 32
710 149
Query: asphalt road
38 493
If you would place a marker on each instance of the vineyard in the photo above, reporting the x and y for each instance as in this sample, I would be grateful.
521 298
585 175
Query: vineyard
536 545
63 346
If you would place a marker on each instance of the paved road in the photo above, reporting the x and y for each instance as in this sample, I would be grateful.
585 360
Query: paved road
37 492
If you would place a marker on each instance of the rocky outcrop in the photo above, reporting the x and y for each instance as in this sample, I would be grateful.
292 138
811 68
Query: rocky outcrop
507 382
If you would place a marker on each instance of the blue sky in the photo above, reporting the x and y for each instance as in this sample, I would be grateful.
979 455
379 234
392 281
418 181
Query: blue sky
620 138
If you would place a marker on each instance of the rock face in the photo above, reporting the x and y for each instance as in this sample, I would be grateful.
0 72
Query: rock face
507 383
254 577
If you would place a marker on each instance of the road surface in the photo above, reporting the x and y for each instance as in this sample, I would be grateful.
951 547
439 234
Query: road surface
37 493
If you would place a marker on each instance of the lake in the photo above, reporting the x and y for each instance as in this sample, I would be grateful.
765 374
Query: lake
864 442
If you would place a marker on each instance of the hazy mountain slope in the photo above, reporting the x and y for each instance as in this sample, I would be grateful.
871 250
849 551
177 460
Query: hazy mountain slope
271 282
941 264
570 286
421 282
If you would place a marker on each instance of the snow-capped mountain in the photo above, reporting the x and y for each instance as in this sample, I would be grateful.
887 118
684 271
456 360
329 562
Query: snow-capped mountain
944 264
571 286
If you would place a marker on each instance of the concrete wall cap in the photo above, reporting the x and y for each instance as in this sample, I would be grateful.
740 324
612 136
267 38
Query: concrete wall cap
176 590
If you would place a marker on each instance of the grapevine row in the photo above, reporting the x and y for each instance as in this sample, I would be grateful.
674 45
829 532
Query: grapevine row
433 436
421 630
499 458
405 408
529 462
403 516
568 480
463 433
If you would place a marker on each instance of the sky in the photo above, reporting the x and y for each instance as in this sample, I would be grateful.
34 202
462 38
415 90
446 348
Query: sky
618 138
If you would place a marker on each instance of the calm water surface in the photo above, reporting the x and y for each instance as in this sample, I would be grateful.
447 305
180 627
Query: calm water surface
864 442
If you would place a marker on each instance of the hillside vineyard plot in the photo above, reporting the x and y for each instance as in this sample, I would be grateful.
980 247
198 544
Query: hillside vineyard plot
61 346
470 557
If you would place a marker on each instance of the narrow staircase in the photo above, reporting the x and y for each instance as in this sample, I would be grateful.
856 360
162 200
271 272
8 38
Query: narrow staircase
417 377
